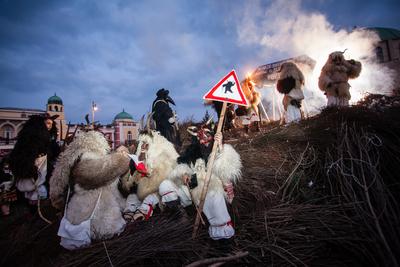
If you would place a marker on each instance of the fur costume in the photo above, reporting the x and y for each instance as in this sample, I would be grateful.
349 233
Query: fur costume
159 156
335 76
290 83
160 159
251 94
254 98
88 168
34 141
193 163
165 117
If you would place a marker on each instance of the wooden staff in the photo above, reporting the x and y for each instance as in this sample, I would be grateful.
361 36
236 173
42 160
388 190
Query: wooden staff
208 174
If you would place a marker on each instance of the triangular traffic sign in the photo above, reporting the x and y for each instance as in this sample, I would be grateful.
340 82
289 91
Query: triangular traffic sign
227 90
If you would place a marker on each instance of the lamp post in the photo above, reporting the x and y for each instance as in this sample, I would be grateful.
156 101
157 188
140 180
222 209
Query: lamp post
94 108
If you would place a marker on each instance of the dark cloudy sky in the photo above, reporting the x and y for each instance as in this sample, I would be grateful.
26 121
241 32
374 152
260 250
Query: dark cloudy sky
119 53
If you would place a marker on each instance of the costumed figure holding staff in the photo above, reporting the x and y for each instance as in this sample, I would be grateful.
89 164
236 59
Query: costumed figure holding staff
290 83
334 78
207 170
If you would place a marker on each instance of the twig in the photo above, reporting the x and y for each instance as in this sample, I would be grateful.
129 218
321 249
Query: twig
217 260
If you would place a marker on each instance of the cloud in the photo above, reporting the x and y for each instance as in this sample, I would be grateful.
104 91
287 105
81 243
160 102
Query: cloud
284 29
119 53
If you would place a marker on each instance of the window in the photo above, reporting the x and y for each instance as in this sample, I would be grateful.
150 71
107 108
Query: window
61 109
379 54
7 131
56 108
50 108
129 135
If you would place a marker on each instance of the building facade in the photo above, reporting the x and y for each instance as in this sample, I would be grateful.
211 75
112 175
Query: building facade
123 130
388 51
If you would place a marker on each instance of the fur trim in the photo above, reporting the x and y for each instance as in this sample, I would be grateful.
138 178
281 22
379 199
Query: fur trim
290 69
96 171
176 174
160 160
107 219
227 165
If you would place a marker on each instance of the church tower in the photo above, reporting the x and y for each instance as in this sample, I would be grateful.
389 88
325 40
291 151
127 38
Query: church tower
55 107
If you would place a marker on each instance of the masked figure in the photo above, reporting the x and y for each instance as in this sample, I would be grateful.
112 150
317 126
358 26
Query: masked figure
290 83
85 185
32 157
154 159
335 76
185 183
164 117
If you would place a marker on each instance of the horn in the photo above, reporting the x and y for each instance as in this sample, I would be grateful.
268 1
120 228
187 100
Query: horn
344 51
141 123
149 115
209 120
191 130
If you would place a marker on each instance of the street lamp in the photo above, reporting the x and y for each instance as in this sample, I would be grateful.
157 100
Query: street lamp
94 108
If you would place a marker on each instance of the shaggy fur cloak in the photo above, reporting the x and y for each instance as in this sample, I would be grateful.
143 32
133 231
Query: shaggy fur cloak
160 160
336 73
290 83
88 167
227 168
33 140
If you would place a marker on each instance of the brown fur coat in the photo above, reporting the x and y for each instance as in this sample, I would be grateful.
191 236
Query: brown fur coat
336 73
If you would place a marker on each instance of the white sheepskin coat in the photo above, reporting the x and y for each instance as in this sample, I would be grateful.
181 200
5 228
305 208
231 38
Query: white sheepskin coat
160 160
336 73
227 169
88 165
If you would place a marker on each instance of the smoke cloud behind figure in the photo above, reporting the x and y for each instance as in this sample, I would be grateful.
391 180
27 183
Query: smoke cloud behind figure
283 29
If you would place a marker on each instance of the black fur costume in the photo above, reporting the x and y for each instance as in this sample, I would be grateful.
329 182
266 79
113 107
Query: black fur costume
33 140
162 114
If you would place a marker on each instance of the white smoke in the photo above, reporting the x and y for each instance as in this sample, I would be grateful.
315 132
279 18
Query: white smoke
285 29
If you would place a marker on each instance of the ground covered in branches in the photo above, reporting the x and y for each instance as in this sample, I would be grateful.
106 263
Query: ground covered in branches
323 192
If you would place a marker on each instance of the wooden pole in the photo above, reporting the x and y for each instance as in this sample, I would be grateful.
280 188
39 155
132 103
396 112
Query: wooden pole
210 165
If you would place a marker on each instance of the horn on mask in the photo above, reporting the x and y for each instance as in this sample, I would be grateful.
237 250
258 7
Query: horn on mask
209 121
141 124
192 130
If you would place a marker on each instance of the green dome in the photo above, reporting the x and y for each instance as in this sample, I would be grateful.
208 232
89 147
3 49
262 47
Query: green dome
386 33
123 116
54 100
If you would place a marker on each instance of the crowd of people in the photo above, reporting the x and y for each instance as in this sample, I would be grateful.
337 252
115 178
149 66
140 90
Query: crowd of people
99 191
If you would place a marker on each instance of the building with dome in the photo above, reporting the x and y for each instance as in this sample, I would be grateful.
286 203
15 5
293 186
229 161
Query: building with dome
126 130
123 130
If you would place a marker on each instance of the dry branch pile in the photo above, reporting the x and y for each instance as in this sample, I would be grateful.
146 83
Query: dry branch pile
324 192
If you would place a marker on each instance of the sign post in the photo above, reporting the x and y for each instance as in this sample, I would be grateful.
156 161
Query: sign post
227 90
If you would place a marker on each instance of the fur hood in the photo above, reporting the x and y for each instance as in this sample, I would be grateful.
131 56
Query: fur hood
160 160
290 69
86 144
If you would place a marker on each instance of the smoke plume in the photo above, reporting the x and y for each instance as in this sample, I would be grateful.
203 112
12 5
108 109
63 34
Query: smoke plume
283 30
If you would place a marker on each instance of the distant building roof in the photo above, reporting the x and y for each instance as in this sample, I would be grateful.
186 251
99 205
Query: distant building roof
55 100
23 109
386 33
123 116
